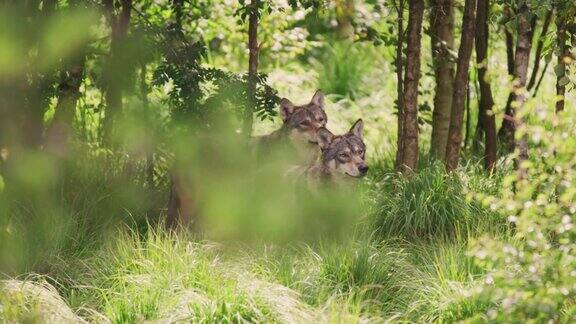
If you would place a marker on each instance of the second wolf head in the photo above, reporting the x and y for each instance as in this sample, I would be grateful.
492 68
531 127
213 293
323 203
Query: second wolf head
343 154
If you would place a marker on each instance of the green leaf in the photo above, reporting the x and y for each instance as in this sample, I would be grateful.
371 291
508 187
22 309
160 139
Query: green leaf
563 81
559 70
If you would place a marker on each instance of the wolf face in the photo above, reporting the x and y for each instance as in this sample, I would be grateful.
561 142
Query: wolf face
302 122
344 154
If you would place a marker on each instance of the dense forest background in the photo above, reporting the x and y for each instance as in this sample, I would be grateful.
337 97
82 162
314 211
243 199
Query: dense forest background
466 214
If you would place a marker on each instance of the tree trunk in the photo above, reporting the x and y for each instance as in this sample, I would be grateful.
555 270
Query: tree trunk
521 61
561 71
537 87
468 124
486 115
442 36
400 83
58 133
182 212
412 77
252 65
113 88
508 128
539 49
460 85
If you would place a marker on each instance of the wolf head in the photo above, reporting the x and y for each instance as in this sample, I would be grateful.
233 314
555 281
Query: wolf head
344 154
303 122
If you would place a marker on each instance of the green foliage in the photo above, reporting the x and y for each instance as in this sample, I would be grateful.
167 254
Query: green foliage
431 204
534 279
370 276
336 73
162 277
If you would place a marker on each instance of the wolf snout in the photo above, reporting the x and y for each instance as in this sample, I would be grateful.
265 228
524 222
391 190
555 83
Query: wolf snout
363 169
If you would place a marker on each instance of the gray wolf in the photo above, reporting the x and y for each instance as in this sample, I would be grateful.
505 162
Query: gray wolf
343 156
300 125
298 133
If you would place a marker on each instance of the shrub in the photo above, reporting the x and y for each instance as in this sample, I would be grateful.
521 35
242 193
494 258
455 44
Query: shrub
533 280
430 204
368 277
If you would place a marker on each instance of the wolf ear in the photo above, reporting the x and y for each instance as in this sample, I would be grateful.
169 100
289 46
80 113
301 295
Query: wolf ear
318 99
357 129
325 137
286 108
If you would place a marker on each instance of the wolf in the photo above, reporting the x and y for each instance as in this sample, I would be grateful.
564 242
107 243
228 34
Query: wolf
298 132
343 156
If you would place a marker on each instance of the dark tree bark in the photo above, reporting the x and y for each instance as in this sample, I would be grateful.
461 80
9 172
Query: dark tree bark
461 85
539 48
442 36
400 83
59 131
521 61
561 71
507 130
485 116
252 65
468 116
113 88
182 210
412 77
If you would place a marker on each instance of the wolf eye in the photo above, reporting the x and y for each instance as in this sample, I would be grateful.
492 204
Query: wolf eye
343 155
305 123
321 119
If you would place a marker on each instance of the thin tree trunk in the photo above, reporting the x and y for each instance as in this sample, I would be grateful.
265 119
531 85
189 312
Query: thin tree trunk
460 85
561 71
113 91
410 101
508 128
468 116
485 116
58 133
521 61
400 84
442 36
537 87
252 65
539 49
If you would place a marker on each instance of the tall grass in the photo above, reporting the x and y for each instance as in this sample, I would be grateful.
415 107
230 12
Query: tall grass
432 204
446 281
342 68
162 277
